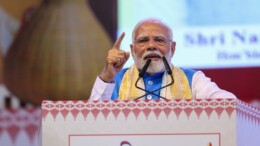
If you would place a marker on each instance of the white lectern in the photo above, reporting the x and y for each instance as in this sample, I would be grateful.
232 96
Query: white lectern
214 122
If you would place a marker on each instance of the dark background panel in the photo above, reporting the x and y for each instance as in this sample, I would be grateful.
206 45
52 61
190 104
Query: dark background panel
106 13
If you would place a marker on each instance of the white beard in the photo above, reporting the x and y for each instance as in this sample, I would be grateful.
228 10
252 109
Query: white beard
155 66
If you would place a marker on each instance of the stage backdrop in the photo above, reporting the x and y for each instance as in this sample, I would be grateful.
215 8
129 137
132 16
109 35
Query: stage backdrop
220 37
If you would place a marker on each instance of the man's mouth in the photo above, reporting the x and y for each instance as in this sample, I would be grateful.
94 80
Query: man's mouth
152 56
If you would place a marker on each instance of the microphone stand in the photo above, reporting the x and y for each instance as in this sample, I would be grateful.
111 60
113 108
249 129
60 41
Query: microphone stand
152 92
169 71
146 91
141 74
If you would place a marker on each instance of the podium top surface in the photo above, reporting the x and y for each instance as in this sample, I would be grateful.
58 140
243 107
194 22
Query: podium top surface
147 107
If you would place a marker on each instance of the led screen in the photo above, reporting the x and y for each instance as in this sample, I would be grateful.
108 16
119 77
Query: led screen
208 33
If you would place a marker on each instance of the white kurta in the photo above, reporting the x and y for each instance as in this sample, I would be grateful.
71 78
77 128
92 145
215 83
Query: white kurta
202 88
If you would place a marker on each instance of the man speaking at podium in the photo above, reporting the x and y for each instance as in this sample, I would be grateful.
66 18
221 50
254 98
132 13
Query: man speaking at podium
152 76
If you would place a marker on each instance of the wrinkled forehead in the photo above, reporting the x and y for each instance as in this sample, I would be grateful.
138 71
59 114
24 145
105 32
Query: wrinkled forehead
151 29
150 34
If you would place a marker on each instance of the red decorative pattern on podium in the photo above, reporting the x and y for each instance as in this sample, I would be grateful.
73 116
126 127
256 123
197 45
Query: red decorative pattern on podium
19 123
147 107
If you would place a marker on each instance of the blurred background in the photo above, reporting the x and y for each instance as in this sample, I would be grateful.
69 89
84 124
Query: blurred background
54 49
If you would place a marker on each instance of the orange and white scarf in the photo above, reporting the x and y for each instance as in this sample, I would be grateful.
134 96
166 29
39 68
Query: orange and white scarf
179 90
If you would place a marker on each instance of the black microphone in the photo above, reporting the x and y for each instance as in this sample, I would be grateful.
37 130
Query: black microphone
141 74
167 66
145 67
169 71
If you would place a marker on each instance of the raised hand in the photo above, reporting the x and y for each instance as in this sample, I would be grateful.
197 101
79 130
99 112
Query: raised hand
116 59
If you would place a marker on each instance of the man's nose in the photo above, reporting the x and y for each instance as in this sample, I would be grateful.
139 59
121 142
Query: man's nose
151 45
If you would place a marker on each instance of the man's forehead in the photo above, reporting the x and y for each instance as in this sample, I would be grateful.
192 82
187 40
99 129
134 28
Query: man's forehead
151 28
149 34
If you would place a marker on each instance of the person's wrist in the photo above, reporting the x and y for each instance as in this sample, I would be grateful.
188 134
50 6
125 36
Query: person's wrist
106 79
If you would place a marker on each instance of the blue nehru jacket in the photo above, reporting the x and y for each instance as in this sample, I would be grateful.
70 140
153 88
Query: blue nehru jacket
151 82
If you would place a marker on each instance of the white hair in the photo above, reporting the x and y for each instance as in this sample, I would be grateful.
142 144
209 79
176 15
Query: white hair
152 20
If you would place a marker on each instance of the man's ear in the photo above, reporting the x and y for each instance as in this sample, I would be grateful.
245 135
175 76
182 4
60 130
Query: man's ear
173 47
132 48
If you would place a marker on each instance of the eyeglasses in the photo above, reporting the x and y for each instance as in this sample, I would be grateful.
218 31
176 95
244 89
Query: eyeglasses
159 40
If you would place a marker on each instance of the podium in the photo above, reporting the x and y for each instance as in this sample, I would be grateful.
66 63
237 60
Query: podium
216 122
19 126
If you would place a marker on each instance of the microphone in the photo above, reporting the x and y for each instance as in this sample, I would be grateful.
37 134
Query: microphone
167 66
141 74
168 70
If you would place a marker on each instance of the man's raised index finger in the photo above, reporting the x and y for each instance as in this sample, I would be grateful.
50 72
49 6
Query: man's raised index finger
118 41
